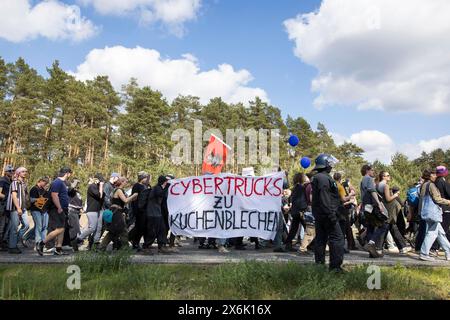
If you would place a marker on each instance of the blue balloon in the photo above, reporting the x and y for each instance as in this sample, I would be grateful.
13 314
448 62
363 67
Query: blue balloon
305 162
293 140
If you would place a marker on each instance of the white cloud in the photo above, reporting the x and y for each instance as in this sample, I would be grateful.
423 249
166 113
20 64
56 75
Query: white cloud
376 144
170 76
377 54
172 13
380 146
19 21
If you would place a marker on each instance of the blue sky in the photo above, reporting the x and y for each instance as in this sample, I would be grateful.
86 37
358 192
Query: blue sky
246 34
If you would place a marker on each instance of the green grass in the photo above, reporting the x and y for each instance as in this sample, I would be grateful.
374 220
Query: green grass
106 276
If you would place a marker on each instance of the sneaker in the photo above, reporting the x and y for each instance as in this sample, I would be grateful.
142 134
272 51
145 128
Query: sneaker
40 248
24 243
371 248
59 252
222 249
74 244
47 250
426 258
14 250
393 250
433 253
405 250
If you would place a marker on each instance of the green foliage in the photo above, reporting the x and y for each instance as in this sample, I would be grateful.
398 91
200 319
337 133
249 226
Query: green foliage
46 123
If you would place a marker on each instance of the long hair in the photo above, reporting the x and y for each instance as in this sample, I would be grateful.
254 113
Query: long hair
299 178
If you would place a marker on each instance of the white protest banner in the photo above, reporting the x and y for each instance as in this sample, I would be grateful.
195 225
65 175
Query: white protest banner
226 206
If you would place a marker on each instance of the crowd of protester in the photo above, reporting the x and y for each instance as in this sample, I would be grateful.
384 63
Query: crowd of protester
320 210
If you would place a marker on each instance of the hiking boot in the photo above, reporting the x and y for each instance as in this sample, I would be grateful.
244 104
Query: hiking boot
371 248
14 250
426 258
222 249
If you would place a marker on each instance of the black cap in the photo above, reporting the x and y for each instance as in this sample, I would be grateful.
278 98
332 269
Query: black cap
162 179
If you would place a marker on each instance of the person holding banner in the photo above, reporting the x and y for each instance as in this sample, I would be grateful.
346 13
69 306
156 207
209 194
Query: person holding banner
325 204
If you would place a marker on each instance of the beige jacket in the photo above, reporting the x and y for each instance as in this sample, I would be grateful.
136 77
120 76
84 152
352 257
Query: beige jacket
435 194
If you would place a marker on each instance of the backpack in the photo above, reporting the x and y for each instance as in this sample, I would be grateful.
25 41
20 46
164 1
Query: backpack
412 196
142 199
117 224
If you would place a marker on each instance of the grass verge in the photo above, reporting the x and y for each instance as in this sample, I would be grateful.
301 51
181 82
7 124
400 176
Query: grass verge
105 276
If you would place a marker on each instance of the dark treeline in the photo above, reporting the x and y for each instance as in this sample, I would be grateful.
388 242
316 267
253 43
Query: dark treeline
47 122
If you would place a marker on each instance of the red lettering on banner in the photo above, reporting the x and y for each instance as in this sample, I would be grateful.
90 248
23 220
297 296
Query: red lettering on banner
266 185
229 183
248 183
173 187
254 186
206 186
217 185
196 183
280 191
186 186
237 186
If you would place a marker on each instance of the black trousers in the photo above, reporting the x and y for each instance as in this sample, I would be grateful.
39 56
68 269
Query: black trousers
156 230
139 230
396 235
331 233
295 224
347 231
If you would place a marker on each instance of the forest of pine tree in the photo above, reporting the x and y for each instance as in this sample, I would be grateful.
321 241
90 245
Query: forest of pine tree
47 121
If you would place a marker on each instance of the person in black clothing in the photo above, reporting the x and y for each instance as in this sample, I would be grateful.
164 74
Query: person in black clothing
5 183
117 228
156 229
444 188
325 203
73 217
94 199
140 223
298 207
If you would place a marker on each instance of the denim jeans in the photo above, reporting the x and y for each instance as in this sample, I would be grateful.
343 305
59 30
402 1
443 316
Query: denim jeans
279 236
434 230
24 225
14 222
40 225
94 226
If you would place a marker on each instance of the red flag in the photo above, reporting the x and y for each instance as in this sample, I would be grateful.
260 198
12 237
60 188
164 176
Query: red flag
215 156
